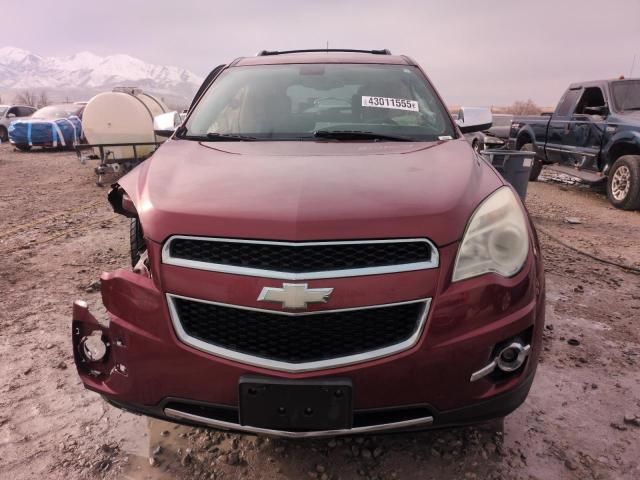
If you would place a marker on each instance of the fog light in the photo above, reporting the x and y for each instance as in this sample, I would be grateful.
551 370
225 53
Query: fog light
508 359
509 355
93 348
512 357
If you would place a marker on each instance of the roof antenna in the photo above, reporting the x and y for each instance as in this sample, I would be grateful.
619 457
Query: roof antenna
633 64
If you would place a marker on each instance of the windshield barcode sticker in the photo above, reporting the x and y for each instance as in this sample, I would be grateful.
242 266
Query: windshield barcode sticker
395 103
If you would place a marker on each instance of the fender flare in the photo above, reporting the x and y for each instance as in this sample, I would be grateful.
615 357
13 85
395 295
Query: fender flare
628 140
526 130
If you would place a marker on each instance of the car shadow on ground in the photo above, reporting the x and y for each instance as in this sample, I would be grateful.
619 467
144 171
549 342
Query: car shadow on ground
185 452
43 150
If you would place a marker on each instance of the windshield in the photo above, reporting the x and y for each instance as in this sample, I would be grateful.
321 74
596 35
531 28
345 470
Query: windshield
291 102
626 95
57 111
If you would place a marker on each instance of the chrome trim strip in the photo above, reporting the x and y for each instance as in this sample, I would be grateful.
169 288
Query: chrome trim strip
424 421
300 313
296 367
483 372
257 272
571 151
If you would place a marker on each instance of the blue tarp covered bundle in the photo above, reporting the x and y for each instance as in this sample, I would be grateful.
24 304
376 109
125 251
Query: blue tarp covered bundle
64 132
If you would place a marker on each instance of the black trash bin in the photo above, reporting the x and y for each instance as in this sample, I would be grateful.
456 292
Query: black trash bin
513 165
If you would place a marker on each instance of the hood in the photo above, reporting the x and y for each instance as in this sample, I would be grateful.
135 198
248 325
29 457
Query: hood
310 190
631 116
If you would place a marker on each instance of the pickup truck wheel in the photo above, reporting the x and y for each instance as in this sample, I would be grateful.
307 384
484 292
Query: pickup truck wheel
536 167
623 184
136 241
4 136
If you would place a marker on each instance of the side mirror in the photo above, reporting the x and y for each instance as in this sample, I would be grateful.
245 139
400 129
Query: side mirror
11 115
474 119
166 123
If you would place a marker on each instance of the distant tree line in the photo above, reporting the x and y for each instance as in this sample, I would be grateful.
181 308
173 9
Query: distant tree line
519 107
522 107
28 97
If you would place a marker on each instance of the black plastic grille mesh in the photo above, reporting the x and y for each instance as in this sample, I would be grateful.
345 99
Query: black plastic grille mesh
301 259
297 339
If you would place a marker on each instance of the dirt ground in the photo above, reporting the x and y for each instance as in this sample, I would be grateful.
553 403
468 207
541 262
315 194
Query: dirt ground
57 234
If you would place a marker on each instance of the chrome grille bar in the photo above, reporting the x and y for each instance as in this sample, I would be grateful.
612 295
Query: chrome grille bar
430 259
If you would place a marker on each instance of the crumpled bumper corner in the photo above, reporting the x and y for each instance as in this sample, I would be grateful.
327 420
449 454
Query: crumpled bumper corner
102 348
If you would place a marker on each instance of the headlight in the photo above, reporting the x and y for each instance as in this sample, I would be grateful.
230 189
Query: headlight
496 239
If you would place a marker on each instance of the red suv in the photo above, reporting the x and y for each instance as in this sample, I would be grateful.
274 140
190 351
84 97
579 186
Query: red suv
318 251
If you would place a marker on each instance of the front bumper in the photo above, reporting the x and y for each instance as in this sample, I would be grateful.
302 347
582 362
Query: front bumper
495 407
148 370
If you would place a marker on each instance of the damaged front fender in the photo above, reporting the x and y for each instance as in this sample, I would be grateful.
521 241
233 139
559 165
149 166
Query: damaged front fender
121 202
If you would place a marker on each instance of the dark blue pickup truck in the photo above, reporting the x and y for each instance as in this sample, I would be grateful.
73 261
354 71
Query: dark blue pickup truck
593 134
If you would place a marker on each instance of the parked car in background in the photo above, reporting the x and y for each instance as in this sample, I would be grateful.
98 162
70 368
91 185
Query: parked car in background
51 126
495 137
593 135
318 252
10 113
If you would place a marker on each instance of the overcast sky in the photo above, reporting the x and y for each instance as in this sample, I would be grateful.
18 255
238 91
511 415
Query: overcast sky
476 52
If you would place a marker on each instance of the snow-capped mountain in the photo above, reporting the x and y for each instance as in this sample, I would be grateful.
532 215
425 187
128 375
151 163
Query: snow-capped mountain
85 71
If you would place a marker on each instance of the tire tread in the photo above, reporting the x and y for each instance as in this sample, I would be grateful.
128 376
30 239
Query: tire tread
632 201
136 241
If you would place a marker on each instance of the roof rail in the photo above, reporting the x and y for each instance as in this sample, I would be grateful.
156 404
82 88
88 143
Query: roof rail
263 53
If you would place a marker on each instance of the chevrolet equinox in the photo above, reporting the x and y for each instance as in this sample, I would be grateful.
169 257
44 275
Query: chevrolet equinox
318 251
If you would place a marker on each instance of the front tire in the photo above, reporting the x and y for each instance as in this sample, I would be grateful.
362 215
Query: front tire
623 183
136 241
536 167
4 135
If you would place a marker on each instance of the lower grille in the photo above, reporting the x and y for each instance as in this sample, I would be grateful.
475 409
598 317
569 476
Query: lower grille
302 341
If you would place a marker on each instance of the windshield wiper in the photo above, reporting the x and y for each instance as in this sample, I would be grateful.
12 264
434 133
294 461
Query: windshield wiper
358 135
223 137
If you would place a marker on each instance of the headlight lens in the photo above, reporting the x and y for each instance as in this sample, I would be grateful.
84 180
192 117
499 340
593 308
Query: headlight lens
496 239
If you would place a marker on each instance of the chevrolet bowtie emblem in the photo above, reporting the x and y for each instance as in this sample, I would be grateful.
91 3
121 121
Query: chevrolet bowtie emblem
295 296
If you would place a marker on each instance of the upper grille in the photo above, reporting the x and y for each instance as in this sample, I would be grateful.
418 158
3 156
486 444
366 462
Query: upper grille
301 260
297 340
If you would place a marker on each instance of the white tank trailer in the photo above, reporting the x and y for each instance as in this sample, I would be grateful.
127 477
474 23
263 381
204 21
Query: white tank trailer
118 127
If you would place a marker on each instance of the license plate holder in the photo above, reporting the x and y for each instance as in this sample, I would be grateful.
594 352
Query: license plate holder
296 405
